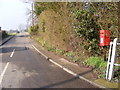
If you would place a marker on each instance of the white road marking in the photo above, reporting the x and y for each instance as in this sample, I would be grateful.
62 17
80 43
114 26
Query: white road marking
12 53
39 52
2 74
69 71
55 63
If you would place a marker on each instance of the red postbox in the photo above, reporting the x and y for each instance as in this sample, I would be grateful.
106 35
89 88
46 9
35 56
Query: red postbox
104 37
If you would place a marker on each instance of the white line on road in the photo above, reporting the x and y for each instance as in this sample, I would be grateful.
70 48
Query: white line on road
2 74
69 71
55 63
39 52
12 53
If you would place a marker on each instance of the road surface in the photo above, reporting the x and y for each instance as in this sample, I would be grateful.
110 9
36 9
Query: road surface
23 67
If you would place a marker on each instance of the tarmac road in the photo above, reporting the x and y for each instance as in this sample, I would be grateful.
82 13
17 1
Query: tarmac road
22 67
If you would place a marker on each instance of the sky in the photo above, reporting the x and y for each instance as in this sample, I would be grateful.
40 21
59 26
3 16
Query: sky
13 14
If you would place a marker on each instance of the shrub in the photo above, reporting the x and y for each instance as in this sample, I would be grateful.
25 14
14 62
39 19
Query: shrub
33 30
85 26
3 34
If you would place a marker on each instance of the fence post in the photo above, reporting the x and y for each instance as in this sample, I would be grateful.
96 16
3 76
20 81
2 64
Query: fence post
113 59
109 60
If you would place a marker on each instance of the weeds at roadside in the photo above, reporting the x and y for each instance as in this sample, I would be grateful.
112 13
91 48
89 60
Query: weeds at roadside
60 51
98 63
69 54
50 48
75 59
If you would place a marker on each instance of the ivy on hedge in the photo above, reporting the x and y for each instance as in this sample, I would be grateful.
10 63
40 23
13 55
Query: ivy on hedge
85 26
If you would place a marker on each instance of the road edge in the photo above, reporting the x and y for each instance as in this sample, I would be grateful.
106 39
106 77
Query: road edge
67 70
6 40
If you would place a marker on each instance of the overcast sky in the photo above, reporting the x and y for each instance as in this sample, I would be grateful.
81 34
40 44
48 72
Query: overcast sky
12 14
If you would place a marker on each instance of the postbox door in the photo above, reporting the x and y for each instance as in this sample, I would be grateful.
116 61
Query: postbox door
104 37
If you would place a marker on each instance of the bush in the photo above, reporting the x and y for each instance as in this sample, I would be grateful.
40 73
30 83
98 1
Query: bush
88 21
3 34
85 26
33 30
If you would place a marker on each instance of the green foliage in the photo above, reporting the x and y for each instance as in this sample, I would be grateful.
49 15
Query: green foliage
43 25
88 22
75 59
3 34
13 34
99 64
102 75
85 26
43 43
38 8
33 30
117 74
41 6
60 51
50 48
95 62
69 54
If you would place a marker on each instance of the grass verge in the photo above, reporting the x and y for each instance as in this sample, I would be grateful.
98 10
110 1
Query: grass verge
96 62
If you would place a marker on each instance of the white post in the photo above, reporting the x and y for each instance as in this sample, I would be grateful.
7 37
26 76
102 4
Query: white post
113 58
109 60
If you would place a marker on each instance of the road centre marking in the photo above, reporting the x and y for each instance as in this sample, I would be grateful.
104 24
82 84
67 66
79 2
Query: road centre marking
2 74
12 53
